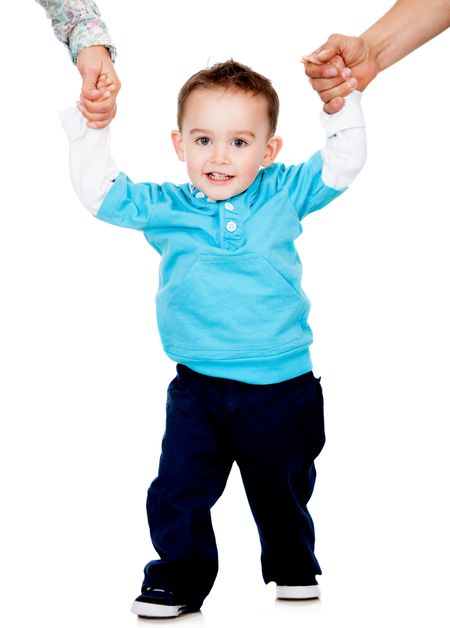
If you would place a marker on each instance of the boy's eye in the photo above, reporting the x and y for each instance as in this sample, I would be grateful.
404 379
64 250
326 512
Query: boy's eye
203 141
238 143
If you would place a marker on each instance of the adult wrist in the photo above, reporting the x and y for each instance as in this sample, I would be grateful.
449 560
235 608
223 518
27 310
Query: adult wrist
111 51
373 61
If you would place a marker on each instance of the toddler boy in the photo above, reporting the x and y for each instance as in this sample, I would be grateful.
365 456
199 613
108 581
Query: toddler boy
232 314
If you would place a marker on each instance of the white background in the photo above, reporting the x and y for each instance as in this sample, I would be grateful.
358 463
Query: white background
83 376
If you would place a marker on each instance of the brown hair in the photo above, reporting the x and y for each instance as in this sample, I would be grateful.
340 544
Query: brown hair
232 75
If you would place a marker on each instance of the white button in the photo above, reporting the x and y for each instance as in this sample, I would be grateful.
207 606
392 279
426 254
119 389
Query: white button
231 226
199 195
229 206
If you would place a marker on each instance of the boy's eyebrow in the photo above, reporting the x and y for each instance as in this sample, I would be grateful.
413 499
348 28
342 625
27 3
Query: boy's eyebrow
205 132
245 133
197 131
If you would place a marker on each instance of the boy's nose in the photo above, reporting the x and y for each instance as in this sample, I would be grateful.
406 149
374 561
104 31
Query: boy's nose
220 155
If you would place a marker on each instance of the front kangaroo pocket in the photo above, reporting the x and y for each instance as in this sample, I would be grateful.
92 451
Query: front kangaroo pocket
230 304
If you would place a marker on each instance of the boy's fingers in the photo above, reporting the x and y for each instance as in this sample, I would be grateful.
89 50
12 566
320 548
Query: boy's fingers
334 105
109 85
104 78
104 82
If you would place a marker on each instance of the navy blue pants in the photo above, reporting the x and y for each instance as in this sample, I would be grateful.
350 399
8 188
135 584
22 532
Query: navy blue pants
273 432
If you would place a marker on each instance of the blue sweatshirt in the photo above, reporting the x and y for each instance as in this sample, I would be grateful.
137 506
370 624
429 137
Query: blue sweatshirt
229 303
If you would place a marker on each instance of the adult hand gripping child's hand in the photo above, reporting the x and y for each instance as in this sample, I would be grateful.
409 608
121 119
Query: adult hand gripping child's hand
339 66
100 86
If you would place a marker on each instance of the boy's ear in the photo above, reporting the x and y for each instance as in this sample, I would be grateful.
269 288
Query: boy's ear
273 147
178 144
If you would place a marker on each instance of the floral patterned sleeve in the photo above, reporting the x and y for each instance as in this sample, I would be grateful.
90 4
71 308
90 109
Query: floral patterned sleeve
78 24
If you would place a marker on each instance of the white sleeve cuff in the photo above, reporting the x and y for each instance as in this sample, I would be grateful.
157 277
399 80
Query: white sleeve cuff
344 153
92 168
349 117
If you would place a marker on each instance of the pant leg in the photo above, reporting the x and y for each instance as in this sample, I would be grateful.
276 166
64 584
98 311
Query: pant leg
194 467
281 432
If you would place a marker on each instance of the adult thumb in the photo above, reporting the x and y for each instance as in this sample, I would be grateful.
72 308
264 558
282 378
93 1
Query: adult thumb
333 47
89 76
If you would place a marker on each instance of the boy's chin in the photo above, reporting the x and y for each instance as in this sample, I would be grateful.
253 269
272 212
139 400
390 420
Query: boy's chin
220 197
222 193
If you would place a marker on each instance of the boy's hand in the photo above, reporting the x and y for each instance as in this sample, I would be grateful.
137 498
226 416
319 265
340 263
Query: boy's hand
100 86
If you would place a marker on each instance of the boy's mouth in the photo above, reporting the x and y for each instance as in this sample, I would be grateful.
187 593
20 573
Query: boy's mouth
218 176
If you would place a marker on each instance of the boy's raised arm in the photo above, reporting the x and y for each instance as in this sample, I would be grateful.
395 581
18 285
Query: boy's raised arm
105 191
315 183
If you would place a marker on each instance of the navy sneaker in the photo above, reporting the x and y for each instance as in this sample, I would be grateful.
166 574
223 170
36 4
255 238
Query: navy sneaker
158 603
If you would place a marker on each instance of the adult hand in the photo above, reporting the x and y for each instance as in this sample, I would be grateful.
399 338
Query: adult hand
100 86
331 82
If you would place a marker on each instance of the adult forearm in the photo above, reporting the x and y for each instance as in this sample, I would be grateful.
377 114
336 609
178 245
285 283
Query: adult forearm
78 24
405 27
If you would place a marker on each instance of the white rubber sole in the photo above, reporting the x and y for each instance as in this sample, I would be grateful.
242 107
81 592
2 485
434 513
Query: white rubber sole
144 609
310 592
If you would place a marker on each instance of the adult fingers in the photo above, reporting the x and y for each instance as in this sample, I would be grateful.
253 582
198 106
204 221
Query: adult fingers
322 71
324 85
339 91
97 107
100 82
97 120
100 104
92 117
334 68
102 123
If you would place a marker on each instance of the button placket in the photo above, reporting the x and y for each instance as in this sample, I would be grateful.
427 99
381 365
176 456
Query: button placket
232 225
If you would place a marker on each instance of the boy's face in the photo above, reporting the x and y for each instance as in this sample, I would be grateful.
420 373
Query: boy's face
225 138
